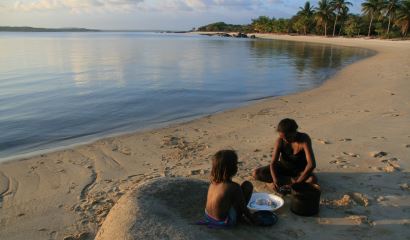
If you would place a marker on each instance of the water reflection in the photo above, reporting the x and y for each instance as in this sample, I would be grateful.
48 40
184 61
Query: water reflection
59 88
307 58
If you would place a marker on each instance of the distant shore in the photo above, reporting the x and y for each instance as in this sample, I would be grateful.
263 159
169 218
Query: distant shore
285 36
36 29
213 33
33 29
358 121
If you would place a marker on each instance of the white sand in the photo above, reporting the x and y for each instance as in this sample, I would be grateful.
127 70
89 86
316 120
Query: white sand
363 109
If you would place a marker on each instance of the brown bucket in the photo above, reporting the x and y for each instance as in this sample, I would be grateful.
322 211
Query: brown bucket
305 199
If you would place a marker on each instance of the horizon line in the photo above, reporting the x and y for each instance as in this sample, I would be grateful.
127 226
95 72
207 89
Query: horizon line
99 29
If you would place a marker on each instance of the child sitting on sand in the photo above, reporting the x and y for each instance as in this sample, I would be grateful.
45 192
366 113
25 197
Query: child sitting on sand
226 201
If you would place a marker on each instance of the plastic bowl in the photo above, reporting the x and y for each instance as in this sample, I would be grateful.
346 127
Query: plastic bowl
255 205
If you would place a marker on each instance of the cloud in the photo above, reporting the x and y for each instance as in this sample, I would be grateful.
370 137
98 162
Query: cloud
73 5
144 5
231 4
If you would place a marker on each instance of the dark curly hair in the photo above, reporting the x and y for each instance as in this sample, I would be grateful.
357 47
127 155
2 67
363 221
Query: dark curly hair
224 166
287 125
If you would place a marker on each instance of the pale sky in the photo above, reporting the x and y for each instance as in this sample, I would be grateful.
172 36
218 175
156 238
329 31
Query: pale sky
143 14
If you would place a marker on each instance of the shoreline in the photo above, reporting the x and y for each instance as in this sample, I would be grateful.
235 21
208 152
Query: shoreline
21 155
287 36
366 102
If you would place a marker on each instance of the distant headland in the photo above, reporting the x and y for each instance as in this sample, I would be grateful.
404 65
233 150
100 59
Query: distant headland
33 29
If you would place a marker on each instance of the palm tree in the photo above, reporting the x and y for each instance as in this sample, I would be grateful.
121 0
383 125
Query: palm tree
343 16
403 17
390 8
323 14
306 13
371 8
338 6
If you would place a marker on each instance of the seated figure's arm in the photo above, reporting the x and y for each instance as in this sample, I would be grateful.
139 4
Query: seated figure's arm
240 203
275 158
310 159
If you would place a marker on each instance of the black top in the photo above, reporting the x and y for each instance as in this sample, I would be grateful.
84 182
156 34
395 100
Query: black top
292 162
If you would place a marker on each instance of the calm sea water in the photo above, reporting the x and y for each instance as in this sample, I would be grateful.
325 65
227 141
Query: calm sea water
62 88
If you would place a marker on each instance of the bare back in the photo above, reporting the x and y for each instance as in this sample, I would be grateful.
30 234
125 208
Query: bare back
220 199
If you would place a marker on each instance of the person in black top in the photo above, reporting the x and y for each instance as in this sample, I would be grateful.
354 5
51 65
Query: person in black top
293 160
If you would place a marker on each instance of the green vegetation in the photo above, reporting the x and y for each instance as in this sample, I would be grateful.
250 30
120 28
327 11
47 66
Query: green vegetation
379 18
223 27
403 18
304 18
323 15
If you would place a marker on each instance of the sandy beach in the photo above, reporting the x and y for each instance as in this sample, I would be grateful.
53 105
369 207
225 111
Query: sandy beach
359 123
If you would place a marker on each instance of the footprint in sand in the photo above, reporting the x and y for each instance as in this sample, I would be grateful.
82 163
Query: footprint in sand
380 199
379 138
404 187
80 236
32 168
360 199
378 154
344 202
361 219
343 163
323 141
338 161
390 114
390 160
121 149
345 166
364 110
347 201
170 140
390 167
351 154
391 164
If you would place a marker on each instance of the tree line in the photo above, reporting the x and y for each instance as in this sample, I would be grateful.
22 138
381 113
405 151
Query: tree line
381 18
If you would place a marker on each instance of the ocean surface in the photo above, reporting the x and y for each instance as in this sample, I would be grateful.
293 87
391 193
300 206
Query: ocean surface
58 89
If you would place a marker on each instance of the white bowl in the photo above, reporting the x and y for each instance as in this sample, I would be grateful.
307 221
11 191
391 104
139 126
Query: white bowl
270 202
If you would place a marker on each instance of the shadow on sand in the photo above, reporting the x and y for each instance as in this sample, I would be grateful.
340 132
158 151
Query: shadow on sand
167 208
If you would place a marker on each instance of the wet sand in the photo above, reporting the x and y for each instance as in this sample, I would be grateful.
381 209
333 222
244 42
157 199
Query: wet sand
359 123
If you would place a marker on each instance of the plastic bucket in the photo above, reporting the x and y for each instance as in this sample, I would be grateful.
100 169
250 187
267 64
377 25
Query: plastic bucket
305 199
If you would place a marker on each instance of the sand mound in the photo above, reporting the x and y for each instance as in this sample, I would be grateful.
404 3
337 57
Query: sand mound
164 208
167 208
